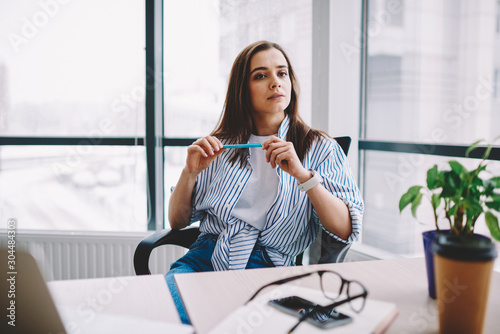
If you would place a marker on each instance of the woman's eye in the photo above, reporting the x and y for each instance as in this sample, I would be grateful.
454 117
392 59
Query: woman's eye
283 74
259 76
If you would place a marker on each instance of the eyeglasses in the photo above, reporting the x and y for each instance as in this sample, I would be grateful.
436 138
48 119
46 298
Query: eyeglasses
332 285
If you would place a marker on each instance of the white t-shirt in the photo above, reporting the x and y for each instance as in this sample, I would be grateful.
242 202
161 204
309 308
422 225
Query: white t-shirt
261 190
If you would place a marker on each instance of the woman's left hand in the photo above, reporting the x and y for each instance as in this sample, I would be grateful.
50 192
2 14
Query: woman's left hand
332 212
282 153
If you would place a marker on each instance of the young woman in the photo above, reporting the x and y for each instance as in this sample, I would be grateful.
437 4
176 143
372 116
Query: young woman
261 206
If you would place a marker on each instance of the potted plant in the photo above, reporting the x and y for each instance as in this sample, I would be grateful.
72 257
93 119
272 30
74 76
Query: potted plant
459 197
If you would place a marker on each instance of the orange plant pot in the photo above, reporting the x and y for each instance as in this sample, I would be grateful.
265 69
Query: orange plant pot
463 274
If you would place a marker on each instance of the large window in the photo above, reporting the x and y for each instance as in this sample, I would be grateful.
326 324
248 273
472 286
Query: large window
431 81
72 79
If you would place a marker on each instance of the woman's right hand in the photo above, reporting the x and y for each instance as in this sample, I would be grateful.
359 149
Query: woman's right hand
202 153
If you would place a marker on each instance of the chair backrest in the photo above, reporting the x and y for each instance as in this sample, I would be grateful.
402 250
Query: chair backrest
326 249
344 142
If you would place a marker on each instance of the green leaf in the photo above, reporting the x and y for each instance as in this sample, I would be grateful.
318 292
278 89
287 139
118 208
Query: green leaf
415 204
451 184
487 152
441 176
457 167
492 223
435 201
472 208
475 172
472 147
432 178
453 210
475 182
495 205
489 187
408 197
496 180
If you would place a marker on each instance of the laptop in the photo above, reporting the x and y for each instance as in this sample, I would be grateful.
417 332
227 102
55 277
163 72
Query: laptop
25 296
28 306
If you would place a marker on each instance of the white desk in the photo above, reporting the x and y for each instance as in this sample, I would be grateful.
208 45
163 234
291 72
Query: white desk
210 297
118 299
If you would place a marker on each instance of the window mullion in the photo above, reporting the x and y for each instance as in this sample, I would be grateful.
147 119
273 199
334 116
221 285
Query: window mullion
154 113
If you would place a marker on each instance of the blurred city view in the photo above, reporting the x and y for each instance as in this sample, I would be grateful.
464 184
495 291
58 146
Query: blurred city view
66 71
433 76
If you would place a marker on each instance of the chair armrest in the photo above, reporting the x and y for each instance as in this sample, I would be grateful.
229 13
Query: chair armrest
332 250
184 238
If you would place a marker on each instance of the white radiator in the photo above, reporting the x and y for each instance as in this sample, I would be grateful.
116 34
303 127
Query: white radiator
63 256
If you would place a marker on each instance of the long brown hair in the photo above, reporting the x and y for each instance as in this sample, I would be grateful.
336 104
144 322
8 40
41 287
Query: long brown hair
236 123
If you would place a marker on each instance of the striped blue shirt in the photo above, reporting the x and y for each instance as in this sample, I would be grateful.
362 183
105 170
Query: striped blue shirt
291 222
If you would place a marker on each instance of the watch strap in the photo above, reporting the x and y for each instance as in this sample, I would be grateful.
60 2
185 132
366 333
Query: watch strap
314 180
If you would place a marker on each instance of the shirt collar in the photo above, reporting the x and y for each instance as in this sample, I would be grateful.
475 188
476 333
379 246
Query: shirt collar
282 132
283 129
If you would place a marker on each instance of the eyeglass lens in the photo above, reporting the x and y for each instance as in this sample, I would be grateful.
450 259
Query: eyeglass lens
356 289
331 284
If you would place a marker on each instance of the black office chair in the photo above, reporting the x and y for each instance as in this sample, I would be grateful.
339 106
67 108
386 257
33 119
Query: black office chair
324 250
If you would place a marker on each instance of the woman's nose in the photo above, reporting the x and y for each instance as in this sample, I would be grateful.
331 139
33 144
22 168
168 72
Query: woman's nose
275 83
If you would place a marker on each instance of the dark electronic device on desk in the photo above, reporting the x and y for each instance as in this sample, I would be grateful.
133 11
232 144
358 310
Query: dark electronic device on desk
297 306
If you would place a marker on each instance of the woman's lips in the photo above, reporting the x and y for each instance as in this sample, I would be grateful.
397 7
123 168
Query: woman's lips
275 96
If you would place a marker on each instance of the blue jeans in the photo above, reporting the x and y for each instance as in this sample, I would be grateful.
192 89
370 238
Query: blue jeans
198 259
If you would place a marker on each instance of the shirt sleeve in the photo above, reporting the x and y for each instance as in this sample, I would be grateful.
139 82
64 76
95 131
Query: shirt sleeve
200 190
334 168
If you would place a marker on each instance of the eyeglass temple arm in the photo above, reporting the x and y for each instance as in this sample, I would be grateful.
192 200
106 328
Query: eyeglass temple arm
327 308
307 315
338 303
281 281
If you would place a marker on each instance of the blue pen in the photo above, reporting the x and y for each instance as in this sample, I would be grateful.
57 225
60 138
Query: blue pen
242 145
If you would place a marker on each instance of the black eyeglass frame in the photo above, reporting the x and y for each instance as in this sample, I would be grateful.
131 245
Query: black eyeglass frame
345 282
